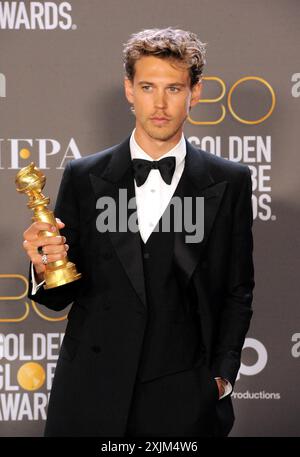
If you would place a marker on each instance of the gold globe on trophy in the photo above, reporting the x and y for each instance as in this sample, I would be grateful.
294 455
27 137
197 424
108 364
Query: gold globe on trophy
30 180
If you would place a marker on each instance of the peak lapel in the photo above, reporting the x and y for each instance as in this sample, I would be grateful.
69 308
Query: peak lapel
117 179
196 181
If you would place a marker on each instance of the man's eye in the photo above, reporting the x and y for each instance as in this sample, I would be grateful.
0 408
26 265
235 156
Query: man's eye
174 89
146 88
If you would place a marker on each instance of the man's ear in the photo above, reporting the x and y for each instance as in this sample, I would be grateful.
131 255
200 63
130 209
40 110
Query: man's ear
128 86
196 93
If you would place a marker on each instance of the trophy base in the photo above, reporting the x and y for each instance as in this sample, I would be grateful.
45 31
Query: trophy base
61 276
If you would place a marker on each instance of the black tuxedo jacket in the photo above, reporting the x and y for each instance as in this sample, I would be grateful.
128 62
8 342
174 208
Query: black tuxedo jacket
99 356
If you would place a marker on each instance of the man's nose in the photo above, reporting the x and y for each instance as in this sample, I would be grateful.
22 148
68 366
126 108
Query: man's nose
160 100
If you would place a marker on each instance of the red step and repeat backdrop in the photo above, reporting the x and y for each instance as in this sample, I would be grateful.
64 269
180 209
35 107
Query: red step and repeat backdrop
61 98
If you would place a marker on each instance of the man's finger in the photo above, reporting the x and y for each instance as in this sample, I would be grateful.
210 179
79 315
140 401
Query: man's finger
59 221
43 241
33 230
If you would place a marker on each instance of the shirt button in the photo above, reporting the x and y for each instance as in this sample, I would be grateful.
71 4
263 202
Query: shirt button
151 224
152 190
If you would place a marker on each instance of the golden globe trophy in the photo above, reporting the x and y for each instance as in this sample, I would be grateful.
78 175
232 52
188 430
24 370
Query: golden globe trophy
30 180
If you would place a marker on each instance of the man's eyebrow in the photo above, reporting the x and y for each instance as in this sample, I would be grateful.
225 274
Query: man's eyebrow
170 84
177 84
145 82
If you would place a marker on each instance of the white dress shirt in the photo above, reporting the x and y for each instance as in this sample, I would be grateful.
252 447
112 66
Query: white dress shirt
152 198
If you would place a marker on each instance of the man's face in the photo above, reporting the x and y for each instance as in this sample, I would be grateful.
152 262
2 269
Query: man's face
162 96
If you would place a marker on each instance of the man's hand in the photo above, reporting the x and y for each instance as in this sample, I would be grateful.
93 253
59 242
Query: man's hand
53 246
221 386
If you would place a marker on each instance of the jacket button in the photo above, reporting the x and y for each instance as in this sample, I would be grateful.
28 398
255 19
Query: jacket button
107 255
96 349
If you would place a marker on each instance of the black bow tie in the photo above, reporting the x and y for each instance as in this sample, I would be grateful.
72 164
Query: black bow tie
141 169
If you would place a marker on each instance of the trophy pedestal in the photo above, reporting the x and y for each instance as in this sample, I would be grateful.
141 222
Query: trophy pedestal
58 276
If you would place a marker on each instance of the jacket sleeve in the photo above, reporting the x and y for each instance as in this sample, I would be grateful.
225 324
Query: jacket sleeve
237 310
66 209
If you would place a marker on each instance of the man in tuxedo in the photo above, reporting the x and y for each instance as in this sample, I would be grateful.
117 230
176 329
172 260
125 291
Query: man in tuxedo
158 320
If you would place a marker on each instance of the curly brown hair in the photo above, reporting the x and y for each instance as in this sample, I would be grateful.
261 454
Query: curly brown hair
182 46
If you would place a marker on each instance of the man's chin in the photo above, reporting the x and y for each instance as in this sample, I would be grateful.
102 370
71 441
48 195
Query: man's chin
161 134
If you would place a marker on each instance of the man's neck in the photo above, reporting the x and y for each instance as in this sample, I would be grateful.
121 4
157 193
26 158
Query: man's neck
156 148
